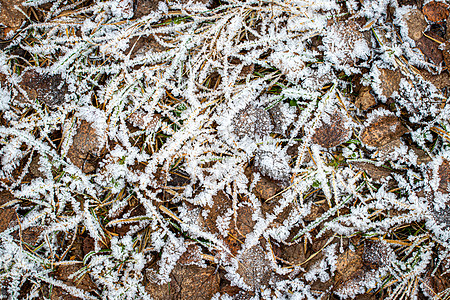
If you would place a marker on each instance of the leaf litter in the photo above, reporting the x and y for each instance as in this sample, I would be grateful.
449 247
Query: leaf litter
224 149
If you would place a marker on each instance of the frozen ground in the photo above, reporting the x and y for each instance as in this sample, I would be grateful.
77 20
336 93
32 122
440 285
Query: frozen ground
224 150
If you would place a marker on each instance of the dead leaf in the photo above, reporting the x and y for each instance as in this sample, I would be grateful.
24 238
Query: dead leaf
365 100
84 148
332 132
383 131
436 11
416 23
444 176
187 283
254 267
294 254
144 7
390 81
446 53
48 89
83 281
140 45
192 256
7 218
375 254
246 69
10 16
348 263
7 214
253 122
373 171
441 81
430 48
143 120
266 188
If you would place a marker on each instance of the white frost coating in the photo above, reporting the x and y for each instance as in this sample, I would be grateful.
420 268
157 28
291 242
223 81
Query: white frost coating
238 92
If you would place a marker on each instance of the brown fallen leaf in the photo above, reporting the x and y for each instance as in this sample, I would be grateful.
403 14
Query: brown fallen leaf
416 23
253 122
332 132
143 120
144 7
192 255
48 89
373 171
266 188
348 263
436 11
11 17
187 283
441 214
254 267
140 45
84 148
83 282
375 254
354 268
446 53
244 220
294 254
352 38
440 81
365 99
443 176
383 131
436 284
7 214
221 204
246 69
422 156
7 218
430 47
389 81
